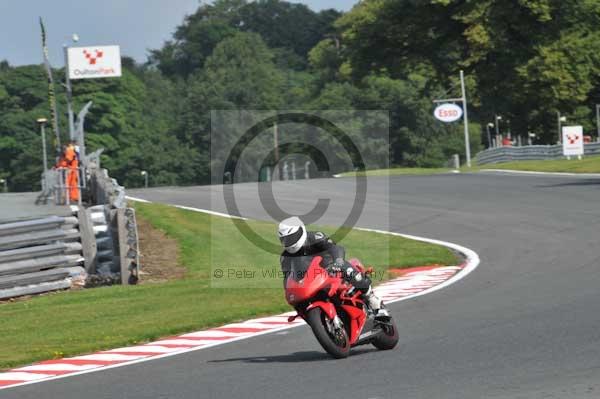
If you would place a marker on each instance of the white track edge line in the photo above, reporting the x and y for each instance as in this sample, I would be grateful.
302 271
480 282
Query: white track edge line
472 262
189 208
532 172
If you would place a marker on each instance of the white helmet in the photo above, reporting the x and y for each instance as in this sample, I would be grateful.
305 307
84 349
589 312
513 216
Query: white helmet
292 234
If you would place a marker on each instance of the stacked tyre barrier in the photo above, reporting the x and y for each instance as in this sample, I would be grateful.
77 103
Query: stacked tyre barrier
94 247
529 153
40 255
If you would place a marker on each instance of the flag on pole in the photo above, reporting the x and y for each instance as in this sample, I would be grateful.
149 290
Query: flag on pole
51 96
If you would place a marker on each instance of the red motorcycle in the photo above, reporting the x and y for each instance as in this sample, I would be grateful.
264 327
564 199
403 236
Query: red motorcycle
333 309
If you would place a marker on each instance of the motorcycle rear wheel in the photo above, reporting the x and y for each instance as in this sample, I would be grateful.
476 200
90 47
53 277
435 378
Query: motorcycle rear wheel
388 339
337 346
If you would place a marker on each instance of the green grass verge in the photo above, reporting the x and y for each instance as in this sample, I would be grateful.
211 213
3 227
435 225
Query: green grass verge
586 165
590 164
75 322
398 171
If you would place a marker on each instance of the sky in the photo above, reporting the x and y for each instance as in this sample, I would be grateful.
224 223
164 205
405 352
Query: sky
135 25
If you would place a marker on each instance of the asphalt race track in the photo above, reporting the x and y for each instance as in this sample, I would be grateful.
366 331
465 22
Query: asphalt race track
525 324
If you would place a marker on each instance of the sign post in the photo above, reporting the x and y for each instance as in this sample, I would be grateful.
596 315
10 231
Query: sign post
447 112
465 119
572 141
598 121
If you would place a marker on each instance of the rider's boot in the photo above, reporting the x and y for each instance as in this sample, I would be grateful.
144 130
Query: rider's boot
363 283
376 304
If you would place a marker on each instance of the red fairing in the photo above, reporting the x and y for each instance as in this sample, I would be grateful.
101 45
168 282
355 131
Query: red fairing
327 307
357 321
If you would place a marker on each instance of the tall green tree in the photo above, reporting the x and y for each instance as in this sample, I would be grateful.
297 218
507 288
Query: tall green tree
528 58
195 39
23 99
239 74
292 29
134 118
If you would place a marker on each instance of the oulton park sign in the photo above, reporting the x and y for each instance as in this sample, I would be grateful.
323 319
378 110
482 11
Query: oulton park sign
94 62
448 112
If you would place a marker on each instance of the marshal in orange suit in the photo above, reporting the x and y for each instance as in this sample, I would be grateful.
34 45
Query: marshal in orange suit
73 173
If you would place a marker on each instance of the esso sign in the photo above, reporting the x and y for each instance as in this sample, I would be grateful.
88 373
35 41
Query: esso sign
448 112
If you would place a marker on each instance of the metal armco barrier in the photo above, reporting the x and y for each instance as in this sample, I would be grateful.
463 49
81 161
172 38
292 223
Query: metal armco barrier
529 153
32 278
128 246
40 255
105 190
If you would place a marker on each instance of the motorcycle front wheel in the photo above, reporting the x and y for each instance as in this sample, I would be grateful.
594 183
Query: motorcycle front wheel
335 341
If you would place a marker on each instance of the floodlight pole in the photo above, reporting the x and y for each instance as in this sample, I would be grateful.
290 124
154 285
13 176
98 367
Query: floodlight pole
598 120
276 149
559 120
496 123
145 174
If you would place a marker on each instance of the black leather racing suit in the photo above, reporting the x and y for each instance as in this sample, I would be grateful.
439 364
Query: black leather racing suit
318 244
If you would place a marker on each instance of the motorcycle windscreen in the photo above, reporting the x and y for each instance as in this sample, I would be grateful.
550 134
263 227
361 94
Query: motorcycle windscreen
305 279
299 266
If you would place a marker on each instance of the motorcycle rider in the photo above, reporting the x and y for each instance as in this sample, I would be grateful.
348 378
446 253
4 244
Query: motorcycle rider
299 242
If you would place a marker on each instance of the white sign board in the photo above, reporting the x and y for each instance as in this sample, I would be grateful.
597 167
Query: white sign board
94 62
572 139
448 112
